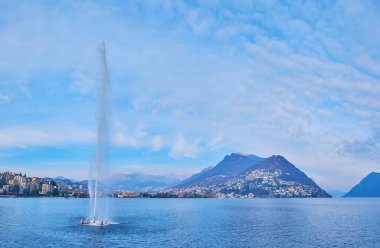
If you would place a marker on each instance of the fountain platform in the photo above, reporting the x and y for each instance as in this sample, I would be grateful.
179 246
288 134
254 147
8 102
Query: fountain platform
99 223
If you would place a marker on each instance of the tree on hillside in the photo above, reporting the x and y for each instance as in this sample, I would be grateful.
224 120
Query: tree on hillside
16 189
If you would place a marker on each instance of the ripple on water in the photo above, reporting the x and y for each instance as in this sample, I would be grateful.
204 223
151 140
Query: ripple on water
193 223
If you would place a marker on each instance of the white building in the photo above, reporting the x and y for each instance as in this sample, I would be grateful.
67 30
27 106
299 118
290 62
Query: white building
46 188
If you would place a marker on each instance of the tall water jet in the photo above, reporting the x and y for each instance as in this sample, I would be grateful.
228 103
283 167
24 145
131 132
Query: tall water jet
99 170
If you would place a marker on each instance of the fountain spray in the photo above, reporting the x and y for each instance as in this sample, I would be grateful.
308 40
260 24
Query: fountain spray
99 170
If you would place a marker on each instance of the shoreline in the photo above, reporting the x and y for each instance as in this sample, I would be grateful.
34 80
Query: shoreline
15 196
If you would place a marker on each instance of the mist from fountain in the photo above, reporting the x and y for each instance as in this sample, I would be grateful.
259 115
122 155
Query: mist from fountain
98 173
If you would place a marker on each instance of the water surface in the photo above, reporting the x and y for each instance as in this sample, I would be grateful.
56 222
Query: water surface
48 222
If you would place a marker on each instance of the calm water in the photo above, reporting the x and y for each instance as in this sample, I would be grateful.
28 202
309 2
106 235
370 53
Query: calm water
194 223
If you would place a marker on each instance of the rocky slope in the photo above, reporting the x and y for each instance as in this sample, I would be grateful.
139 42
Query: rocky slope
241 175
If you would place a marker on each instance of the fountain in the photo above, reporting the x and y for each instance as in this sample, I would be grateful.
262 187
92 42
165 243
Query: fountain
99 170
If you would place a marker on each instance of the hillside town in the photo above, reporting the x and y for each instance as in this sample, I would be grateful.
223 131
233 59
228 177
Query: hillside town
268 183
256 183
18 184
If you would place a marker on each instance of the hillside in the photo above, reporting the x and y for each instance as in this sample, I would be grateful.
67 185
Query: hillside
368 187
241 175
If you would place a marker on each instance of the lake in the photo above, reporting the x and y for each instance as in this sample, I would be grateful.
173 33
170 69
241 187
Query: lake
49 222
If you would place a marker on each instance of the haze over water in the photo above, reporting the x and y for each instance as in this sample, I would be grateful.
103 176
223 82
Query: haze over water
36 222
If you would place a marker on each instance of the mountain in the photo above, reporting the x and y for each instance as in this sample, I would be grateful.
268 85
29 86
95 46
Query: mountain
336 193
137 182
368 187
230 166
64 180
140 182
242 175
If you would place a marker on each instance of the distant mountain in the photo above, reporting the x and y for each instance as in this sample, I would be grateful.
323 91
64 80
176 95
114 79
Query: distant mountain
242 175
64 180
137 182
368 187
336 193
60 180
140 182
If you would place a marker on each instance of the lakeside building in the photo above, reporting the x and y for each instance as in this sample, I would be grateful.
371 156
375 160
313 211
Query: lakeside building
20 185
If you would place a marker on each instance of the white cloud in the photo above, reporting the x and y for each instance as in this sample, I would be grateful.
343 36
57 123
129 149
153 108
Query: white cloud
5 98
368 149
262 77
83 83
45 135
200 20
22 85
122 136
158 143
183 148
136 138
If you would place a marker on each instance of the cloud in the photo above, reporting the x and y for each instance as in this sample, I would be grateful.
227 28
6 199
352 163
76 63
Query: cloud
183 148
367 149
22 85
50 135
158 143
361 149
5 98
263 77
200 20
137 138
123 137
83 83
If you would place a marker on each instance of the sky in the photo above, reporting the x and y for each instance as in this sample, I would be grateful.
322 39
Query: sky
192 81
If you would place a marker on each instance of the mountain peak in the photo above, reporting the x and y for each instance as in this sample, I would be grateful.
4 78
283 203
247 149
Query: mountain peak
61 177
368 187
372 174
230 166
247 174
278 157
242 154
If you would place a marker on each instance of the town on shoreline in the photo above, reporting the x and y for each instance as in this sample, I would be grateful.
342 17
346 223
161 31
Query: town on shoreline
19 185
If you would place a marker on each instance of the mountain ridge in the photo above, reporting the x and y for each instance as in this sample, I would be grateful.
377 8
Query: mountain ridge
249 175
225 168
138 182
369 186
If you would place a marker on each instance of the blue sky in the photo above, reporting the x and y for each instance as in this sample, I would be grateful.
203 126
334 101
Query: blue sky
191 82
